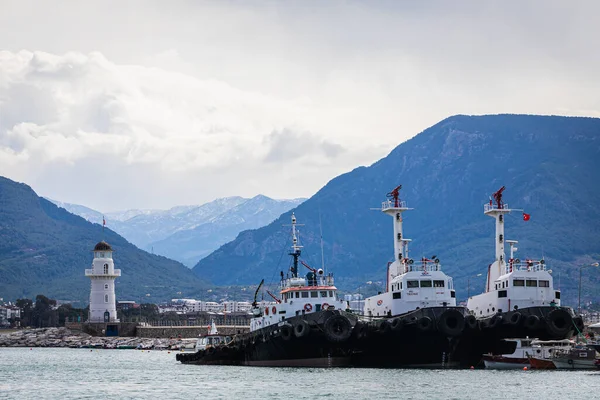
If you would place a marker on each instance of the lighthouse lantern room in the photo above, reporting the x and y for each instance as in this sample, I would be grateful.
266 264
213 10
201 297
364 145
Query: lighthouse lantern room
102 294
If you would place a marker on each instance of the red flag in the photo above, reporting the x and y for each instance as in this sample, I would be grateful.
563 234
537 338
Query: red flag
526 217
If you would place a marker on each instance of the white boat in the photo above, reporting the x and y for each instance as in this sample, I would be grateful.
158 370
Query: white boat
415 322
212 339
520 296
518 351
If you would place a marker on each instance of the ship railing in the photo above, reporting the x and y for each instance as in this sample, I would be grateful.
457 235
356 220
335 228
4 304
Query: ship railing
429 267
490 207
524 266
392 204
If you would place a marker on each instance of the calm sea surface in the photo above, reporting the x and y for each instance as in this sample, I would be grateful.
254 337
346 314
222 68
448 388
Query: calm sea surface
132 374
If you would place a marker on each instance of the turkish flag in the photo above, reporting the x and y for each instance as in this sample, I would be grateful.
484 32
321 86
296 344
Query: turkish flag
526 217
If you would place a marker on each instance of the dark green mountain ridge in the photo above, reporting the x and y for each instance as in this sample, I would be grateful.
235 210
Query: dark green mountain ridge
45 249
549 164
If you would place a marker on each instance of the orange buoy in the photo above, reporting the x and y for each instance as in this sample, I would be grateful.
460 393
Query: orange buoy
524 368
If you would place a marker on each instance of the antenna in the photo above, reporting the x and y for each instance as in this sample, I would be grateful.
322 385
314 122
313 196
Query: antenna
321 233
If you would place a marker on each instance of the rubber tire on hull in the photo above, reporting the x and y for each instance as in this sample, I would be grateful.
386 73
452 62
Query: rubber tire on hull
337 328
361 331
532 322
384 327
286 331
471 322
301 328
451 322
425 324
516 319
494 322
559 322
397 324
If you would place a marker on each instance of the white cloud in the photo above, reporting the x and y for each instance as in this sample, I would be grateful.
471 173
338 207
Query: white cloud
88 108
181 102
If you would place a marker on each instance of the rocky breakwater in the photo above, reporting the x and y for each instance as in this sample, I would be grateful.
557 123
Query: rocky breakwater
63 337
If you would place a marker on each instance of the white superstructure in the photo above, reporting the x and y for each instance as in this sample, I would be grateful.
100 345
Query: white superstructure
102 294
298 295
511 284
409 284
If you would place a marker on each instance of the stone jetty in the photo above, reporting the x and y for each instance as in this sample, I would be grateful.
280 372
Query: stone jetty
63 337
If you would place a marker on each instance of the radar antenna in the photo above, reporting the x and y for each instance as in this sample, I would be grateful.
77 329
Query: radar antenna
395 194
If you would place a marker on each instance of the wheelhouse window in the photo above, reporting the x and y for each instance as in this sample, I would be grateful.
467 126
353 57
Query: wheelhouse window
412 284
324 293
314 294
518 282
397 295
438 283
331 293
426 283
501 293
544 283
304 295
531 283
106 286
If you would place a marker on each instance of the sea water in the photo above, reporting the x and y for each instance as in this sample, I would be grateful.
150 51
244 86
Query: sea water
46 373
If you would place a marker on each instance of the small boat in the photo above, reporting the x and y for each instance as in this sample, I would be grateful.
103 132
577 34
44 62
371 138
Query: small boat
578 357
515 359
518 353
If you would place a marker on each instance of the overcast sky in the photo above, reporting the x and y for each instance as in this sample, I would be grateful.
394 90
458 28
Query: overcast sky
153 104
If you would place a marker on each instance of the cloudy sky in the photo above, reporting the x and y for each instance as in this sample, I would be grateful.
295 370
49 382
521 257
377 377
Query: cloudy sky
153 104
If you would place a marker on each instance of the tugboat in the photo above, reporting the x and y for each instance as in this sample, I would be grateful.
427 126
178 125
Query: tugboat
519 299
415 322
306 326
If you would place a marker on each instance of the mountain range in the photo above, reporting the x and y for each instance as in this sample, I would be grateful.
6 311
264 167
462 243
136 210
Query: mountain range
45 249
188 233
550 166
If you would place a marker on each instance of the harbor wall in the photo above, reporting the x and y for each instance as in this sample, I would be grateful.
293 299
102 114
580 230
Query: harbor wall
185 331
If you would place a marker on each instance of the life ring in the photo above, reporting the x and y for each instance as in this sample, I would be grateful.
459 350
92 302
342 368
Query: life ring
274 310
379 302
308 307
325 306
267 311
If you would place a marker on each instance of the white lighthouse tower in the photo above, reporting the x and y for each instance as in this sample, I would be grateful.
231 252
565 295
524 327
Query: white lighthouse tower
102 295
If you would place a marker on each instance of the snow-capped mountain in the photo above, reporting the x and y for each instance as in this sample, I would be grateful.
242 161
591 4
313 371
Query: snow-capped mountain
188 233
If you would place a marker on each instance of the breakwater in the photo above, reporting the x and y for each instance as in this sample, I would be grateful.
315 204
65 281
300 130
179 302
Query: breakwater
186 331
63 337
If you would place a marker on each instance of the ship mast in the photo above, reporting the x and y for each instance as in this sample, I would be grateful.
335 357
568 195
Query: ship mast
497 211
295 248
394 207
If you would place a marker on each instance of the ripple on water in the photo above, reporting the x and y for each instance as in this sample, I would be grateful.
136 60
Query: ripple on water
131 374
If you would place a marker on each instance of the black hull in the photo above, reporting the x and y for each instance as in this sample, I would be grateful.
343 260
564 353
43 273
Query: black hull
541 322
311 340
424 338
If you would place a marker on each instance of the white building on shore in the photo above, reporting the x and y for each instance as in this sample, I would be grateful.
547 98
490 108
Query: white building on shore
103 306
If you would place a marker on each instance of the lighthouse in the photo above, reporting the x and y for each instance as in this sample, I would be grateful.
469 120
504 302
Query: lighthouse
102 294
